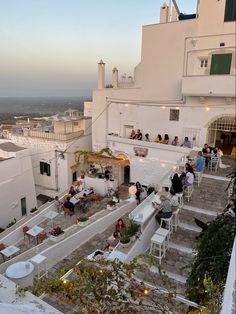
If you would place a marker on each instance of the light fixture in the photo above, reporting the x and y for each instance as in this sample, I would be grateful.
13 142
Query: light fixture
163 107
141 159
207 108
146 291
177 108
163 165
126 105
65 281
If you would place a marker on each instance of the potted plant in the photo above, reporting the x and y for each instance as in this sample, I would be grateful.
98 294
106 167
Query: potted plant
57 234
33 210
83 220
111 204
133 230
125 239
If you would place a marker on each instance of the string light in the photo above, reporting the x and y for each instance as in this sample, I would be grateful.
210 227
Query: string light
146 291
65 281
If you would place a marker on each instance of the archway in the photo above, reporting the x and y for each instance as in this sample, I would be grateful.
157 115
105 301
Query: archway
222 133
124 169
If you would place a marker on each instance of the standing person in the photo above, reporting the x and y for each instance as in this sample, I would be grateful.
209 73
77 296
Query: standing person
164 210
139 190
59 204
158 139
138 135
166 139
186 143
120 226
175 141
198 162
69 205
72 191
177 185
147 137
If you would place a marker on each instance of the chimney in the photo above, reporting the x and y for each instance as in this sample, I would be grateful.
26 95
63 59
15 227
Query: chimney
101 75
164 13
115 78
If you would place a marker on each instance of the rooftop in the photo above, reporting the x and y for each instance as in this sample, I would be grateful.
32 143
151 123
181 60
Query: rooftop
10 147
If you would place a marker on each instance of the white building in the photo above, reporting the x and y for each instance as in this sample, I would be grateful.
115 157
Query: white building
17 191
184 84
53 157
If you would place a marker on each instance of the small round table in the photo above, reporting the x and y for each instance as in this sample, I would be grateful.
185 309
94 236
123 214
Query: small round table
21 273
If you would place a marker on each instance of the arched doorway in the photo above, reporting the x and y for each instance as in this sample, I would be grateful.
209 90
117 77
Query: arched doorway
124 168
222 133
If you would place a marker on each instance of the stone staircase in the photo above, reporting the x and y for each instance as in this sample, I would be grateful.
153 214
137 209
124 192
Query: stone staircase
206 201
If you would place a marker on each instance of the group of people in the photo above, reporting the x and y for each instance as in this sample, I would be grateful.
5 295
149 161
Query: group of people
115 238
165 140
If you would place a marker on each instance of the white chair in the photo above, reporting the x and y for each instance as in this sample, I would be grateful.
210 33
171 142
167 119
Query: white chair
169 223
180 199
189 192
213 163
158 243
165 233
198 178
175 222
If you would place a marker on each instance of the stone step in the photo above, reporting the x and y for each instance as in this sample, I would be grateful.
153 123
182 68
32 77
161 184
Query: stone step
187 216
184 237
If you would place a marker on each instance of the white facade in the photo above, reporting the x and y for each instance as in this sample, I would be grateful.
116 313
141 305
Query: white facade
53 156
17 190
175 72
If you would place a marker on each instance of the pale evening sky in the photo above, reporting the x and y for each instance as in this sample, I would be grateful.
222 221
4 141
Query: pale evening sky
51 47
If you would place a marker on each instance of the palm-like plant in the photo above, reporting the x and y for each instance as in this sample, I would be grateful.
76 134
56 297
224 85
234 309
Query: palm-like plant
232 183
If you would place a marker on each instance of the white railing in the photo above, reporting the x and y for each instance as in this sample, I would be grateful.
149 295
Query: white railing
228 305
55 136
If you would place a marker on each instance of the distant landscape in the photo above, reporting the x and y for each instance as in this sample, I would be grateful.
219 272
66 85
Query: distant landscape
31 107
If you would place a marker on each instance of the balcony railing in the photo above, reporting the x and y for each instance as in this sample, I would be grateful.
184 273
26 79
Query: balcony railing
55 136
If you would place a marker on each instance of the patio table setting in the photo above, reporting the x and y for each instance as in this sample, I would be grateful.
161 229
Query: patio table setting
34 232
9 251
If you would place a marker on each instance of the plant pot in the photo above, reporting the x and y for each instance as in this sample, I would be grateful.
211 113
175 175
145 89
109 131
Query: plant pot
133 238
57 238
83 223
125 245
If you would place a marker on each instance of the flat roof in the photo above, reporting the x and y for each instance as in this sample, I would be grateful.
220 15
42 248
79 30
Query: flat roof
10 147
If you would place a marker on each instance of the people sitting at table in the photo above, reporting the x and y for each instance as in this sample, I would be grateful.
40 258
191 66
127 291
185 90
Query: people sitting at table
230 209
186 143
175 141
78 188
177 184
158 139
166 139
208 152
138 135
164 209
188 177
72 191
112 241
198 163
147 137
69 205
59 204
138 192
132 135
120 226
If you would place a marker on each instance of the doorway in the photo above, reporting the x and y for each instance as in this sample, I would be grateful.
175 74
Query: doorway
126 175
23 206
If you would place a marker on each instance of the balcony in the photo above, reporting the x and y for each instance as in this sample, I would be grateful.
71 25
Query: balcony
56 136
209 85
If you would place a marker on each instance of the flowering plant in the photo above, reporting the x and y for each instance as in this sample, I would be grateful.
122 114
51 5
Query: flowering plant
56 231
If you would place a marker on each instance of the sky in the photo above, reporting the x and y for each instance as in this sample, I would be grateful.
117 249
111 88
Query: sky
52 47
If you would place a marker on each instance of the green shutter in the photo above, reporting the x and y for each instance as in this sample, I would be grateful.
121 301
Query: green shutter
230 10
221 63
48 170
41 167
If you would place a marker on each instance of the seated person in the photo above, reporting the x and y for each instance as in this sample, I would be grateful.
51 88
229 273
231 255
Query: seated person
59 204
147 137
158 139
72 191
120 226
69 205
78 188
164 210
112 241
177 184
175 141
198 162
189 176
138 135
230 209
186 143
132 135
207 151
166 139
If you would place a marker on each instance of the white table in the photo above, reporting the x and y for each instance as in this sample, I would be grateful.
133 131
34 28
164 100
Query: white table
21 273
34 232
40 261
117 255
75 199
51 215
9 251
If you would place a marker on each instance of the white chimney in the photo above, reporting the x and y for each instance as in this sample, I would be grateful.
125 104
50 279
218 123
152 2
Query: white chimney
115 77
101 75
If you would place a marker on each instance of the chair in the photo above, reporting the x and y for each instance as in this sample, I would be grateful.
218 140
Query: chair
165 233
25 229
158 242
175 222
2 247
180 199
42 236
189 192
213 164
68 212
198 178
169 223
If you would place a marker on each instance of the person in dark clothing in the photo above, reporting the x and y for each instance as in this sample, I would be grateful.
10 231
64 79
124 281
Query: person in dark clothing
177 185
72 191
69 205
138 135
139 190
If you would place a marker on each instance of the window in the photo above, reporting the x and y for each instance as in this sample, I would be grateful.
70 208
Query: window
45 168
230 10
174 114
23 206
204 63
221 63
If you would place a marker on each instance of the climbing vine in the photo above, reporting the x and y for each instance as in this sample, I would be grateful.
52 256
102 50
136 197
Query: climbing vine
83 156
